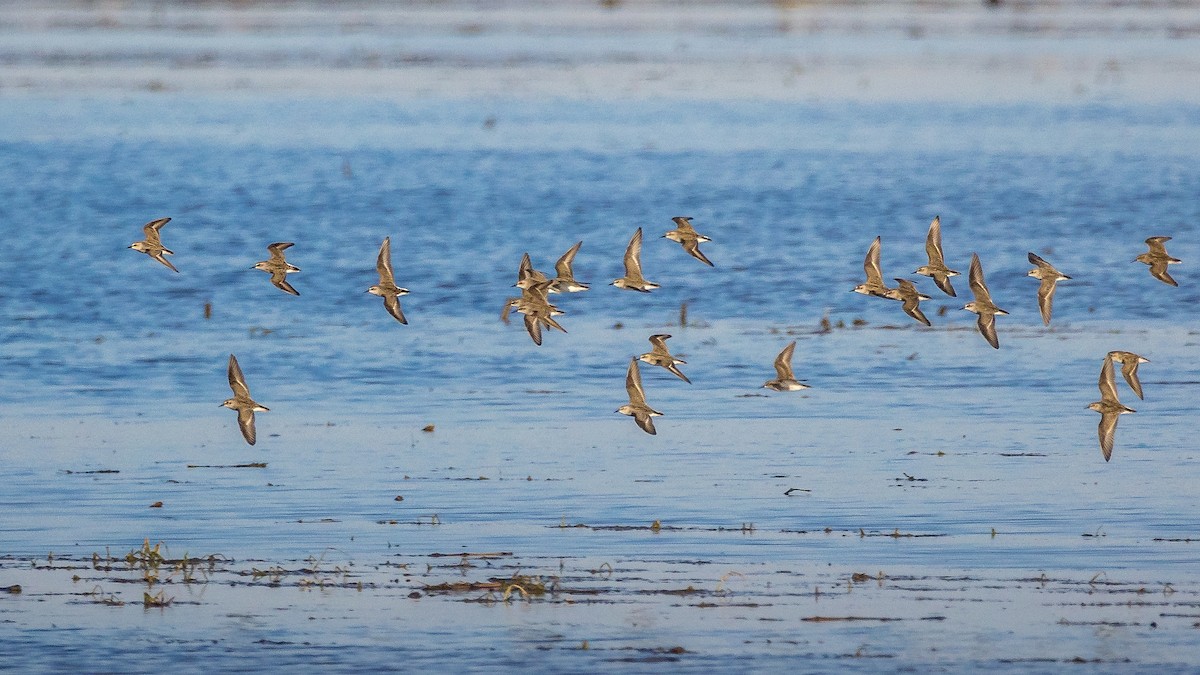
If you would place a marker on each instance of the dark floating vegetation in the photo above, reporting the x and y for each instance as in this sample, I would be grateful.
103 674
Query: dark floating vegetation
150 576
249 465
825 619
807 610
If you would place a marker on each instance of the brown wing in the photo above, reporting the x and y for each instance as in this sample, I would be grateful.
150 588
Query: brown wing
1036 259
943 282
1108 382
783 362
279 278
237 381
659 342
978 283
525 269
912 301
1158 269
987 328
392 303
913 310
151 229
278 248
633 385
549 321
871 264
678 373
692 246
563 267
933 244
684 224
645 422
508 305
534 327
159 257
1158 245
383 264
633 257
1129 369
246 424
1048 270
1046 297
538 292
1108 432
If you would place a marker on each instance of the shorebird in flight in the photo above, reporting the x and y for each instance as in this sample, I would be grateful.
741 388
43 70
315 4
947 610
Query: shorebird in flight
983 305
637 407
633 279
1109 407
1158 259
874 284
1129 368
537 309
912 298
786 379
1049 277
387 288
278 267
687 235
152 246
564 281
661 356
936 268
241 401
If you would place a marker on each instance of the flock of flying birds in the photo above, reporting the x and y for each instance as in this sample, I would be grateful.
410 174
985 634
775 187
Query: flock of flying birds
539 312
1109 406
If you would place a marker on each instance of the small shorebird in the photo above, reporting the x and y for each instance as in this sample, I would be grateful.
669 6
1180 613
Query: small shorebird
241 401
1158 259
912 298
786 380
278 268
937 263
387 287
537 309
1109 408
526 275
637 407
687 235
152 246
633 279
874 284
983 305
1129 367
661 356
1050 278
564 281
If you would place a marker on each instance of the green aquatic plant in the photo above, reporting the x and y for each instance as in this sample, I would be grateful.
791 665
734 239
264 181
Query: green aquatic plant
157 600
273 574
527 585
101 599
146 557
319 579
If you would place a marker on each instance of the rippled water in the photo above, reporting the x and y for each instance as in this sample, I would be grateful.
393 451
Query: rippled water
109 363
965 482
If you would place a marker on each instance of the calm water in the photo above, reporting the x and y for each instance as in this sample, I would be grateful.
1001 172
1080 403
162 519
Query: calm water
966 482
